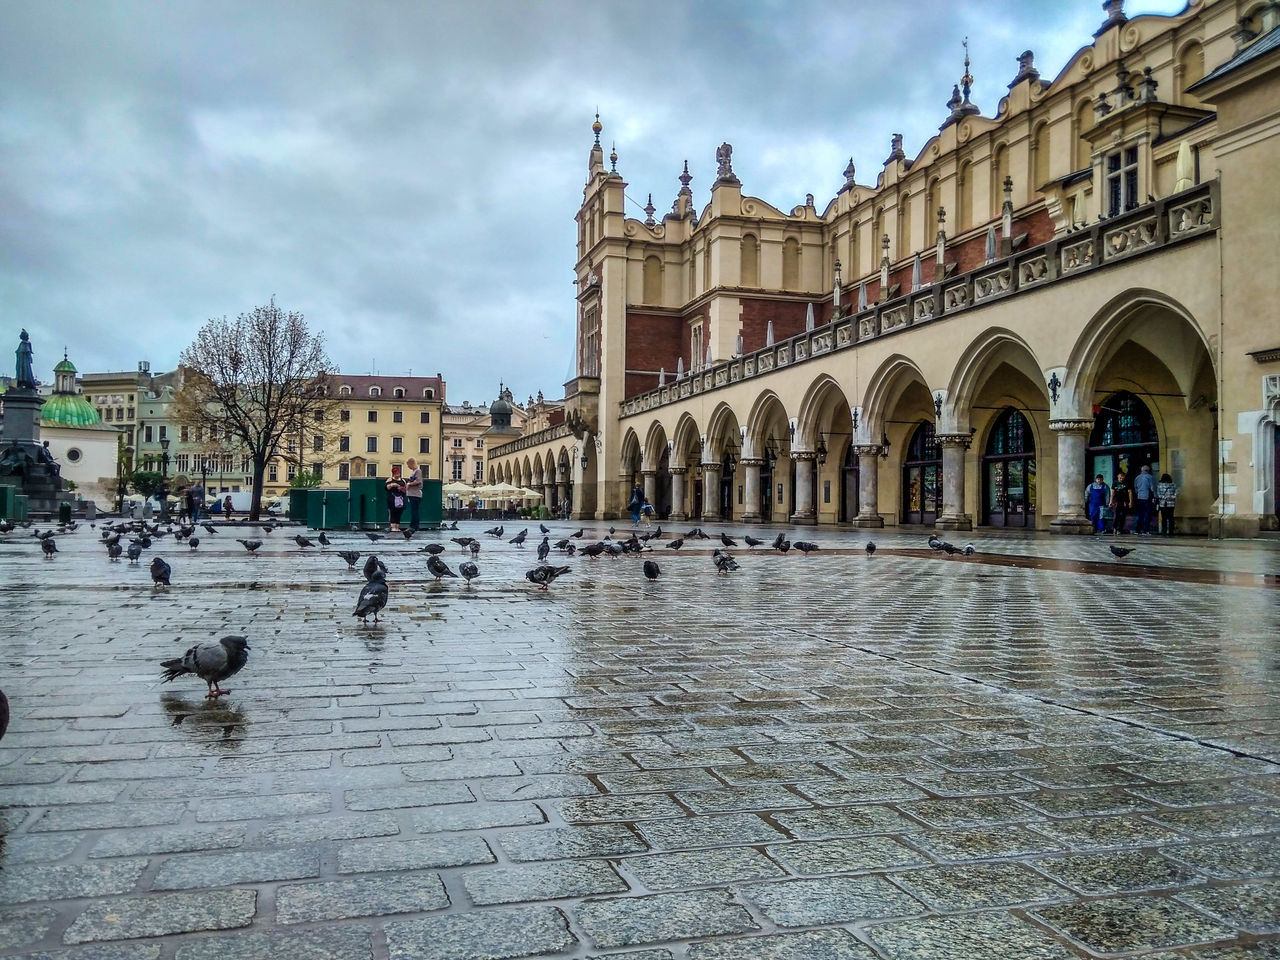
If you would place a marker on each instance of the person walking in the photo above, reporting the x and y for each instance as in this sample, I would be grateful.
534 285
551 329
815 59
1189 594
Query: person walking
413 491
1144 496
1166 500
195 496
396 498
636 503
1121 503
1096 497
227 508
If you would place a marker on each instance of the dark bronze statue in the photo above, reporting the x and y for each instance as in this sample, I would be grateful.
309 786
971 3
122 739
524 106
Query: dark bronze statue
24 370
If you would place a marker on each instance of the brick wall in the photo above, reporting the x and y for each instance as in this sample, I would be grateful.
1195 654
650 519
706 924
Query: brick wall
787 317
653 342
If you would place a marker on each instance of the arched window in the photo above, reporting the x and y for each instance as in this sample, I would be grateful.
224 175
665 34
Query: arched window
922 477
999 170
428 394
375 391
1083 148
791 264
398 392
344 391
1124 438
964 197
1009 472
750 272
652 280
905 240
1040 163
1189 70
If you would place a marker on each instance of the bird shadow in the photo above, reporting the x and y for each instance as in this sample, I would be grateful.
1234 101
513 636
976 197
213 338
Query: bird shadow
219 723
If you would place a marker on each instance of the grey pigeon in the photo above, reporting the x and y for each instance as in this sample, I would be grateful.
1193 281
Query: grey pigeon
351 556
49 546
432 548
474 548
563 544
1120 551
676 544
544 548
373 537
518 539
783 546
373 597
968 550
579 535
114 550
724 563
438 568
871 548
805 547
751 541
493 532
777 541
727 540
651 570
543 527
324 541
546 574
302 541
463 542
193 542
469 571
210 527
372 566
594 549
160 572
408 532
135 551
211 662
250 545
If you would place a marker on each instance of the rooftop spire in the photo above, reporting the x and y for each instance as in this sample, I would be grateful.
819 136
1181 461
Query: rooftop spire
597 126
685 179
966 82
960 104
613 158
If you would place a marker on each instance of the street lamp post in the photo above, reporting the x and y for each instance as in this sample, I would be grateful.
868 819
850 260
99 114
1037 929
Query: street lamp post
164 479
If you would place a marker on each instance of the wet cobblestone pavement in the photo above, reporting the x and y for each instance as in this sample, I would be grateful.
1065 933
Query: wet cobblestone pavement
1036 752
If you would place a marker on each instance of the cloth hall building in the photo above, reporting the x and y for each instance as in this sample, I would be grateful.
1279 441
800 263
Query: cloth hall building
1084 283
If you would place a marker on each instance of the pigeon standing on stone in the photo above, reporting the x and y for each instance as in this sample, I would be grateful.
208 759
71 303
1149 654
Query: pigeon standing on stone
211 662
651 570
968 550
871 549
431 548
49 547
373 597
438 568
473 548
579 535
351 556
250 545
676 544
727 540
114 550
135 551
518 539
1120 552
544 548
160 572
543 528
469 571
751 541
193 542
805 547
724 563
372 566
324 541
777 541
302 541
373 537
546 574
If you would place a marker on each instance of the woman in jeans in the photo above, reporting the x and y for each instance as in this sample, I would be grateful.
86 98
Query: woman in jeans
1166 500
397 495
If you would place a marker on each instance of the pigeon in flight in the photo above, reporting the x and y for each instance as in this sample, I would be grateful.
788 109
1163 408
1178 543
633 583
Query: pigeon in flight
114 550
302 541
805 547
372 566
373 597
350 556
651 570
211 662
250 545
1120 552
439 569
49 547
469 571
871 548
518 539
546 574
727 540
160 572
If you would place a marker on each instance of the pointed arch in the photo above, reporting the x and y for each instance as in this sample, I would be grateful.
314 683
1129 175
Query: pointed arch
687 437
815 400
975 365
722 418
629 457
884 388
655 445
763 410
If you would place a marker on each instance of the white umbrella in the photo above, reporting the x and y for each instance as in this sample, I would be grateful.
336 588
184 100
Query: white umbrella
527 494
456 488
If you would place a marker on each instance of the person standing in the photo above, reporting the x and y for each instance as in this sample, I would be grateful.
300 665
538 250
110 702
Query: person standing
1144 495
227 508
1166 500
195 496
1096 496
1121 503
396 498
413 491
636 503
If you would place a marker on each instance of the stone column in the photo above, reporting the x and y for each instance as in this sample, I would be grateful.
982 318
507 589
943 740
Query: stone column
953 516
651 486
562 491
711 493
1073 436
679 506
548 495
868 486
751 490
804 487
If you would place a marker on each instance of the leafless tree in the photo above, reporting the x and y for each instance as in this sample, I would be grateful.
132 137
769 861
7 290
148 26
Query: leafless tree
259 377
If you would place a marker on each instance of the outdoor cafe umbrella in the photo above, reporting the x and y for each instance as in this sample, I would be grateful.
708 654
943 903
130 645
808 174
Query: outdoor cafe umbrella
527 494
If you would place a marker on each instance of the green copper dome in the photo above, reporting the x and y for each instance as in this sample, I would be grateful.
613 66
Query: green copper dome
67 410
65 366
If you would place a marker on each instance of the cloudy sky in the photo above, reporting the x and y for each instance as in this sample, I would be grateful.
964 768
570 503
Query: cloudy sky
406 173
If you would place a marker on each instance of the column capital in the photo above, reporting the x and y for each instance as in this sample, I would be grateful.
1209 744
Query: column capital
803 455
677 471
961 440
867 449
752 461
1071 425
648 473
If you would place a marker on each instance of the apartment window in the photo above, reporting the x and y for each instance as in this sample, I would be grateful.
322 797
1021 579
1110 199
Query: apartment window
426 470
457 469
110 414
318 469
290 471
398 392
370 469
424 444
397 416
131 413
319 416
344 416
424 416
120 413
457 443
182 463
184 434
317 443
226 435
370 444
146 434
228 461
246 464
1122 181
428 394
479 443
344 471
479 471
373 416
344 444
375 391
397 444
289 447
273 475
164 432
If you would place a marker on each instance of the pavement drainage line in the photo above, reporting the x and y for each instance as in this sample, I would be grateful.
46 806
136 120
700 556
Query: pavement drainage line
1048 700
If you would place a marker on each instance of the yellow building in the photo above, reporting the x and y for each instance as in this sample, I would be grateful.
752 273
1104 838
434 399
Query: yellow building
1086 282
465 442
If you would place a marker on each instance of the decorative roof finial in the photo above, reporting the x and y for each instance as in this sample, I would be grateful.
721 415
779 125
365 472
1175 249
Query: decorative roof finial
848 175
1114 10
649 209
597 127
613 158
724 164
685 179
966 82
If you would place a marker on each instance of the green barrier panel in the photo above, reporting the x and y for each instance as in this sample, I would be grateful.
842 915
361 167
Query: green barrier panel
298 504
64 513
368 502
432 506
20 505
8 510
328 509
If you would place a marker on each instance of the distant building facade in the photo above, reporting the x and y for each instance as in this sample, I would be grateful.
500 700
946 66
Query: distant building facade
466 438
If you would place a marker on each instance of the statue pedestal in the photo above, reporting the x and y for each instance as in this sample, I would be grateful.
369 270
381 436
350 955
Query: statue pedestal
22 416
21 455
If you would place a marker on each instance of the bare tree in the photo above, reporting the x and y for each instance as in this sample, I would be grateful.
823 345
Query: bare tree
259 378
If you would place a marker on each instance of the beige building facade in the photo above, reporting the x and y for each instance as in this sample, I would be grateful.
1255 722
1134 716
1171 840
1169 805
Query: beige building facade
1085 283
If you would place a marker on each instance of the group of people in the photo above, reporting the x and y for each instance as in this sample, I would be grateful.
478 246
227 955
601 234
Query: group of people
1146 500
193 504
405 492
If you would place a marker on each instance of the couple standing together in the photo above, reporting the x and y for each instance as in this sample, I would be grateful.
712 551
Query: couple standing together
402 492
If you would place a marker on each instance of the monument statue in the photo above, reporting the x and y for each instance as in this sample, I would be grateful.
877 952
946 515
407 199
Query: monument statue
24 370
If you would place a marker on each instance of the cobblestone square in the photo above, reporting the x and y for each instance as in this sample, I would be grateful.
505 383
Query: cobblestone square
1034 752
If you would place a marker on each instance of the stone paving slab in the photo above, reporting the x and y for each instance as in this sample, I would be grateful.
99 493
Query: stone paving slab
1033 753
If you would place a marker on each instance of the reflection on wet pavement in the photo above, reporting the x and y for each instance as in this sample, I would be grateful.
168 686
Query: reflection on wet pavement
1036 751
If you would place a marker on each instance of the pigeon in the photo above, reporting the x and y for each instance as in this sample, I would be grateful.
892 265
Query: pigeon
432 548
160 572
805 547
518 539
701 535
544 548
463 542
350 556
114 550
373 566
211 662
373 537
543 528
777 541
594 549
324 541
497 532
676 544
727 540
783 546
438 568
546 574
373 597
968 550
724 563
408 533
469 571
302 541
871 548
615 549
135 551
250 545
193 542
1120 551
49 546
611 531
657 533
651 570
579 535
563 544
210 527
751 541
474 548
570 550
